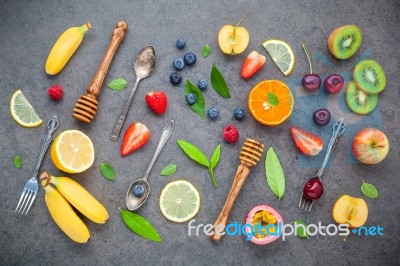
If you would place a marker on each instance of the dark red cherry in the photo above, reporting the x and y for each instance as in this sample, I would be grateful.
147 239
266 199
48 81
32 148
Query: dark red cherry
313 189
321 117
333 83
311 82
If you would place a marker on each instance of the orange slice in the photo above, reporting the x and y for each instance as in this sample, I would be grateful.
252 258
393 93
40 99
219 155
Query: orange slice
271 102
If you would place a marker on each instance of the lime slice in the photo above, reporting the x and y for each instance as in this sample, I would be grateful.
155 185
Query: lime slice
282 54
22 111
179 201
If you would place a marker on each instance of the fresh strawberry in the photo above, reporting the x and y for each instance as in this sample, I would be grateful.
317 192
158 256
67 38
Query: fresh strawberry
135 137
252 63
308 143
157 101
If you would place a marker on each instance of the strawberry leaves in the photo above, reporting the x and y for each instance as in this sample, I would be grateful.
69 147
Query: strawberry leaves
274 173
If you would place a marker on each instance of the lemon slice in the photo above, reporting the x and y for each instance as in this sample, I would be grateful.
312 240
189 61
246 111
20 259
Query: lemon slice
281 53
22 111
179 201
72 151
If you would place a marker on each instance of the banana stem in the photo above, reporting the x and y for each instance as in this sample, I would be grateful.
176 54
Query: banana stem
308 58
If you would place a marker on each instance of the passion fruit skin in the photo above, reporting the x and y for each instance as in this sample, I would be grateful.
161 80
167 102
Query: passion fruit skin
268 239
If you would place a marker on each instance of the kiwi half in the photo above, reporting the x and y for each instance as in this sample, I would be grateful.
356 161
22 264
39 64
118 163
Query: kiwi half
358 101
369 76
344 41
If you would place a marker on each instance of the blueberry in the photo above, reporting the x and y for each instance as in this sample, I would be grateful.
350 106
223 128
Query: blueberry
202 84
239 113
175 78
138 190
180 43
191 98
213 113
179 64
190 59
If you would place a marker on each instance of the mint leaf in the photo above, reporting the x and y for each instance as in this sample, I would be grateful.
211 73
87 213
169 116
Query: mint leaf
274 173
218 83
301 229
273 99
17 161
193 152
369 190
118 84
107 171
168 170
206 50
215 157
139 225
200 104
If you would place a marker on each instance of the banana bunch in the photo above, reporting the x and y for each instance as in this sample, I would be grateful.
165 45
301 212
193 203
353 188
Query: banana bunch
65 47
61 192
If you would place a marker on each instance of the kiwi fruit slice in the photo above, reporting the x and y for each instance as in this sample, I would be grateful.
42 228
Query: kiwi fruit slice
358 101
344 41
369 76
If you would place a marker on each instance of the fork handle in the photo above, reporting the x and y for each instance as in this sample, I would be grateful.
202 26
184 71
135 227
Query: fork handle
52 126
241 174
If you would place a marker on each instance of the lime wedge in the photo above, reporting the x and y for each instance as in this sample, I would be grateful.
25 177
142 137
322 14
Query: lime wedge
22 111
179 201
281 53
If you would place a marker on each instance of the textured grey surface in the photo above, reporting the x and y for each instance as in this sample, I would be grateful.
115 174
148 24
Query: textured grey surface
28 30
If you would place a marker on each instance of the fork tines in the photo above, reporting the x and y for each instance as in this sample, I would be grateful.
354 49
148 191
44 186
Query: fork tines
305 203
25 201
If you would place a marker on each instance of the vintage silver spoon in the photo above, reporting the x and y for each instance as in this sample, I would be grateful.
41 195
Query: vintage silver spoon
133 202
143 67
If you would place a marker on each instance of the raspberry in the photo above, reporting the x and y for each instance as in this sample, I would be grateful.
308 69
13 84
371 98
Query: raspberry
55 92
230 134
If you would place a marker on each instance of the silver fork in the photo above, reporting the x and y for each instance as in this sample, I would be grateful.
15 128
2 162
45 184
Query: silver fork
306 202
31 187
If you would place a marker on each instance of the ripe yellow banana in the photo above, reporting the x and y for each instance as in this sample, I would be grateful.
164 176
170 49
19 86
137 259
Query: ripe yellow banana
63 214
80 198
65 47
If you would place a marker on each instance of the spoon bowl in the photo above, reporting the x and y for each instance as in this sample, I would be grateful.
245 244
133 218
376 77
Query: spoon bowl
133 202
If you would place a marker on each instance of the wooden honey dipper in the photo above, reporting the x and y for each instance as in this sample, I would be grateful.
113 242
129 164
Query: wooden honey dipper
86 106
249 156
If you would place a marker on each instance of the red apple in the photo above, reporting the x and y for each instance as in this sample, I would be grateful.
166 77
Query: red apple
370 146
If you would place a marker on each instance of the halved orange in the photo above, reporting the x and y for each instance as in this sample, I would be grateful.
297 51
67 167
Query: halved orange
271 102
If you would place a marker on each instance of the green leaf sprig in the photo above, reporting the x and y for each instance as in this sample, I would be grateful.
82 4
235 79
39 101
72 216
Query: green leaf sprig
139 225
200 103
118 84
218 83
107 171
300 231
206 50
17 161
274 173
168 170
369 190
198 156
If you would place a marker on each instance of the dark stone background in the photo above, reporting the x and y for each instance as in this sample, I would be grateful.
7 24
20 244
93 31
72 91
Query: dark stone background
28 29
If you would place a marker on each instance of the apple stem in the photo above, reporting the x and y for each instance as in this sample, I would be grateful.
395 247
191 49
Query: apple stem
308 57
241 20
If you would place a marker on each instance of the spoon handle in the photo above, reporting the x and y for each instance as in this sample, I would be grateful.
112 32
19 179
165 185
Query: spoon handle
338 129
165 134
122 117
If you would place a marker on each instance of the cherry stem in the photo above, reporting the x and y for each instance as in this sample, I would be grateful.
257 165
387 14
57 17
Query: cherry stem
308 57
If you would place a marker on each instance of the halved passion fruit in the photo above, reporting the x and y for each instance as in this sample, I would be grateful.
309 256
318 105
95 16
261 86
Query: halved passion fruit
265 222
